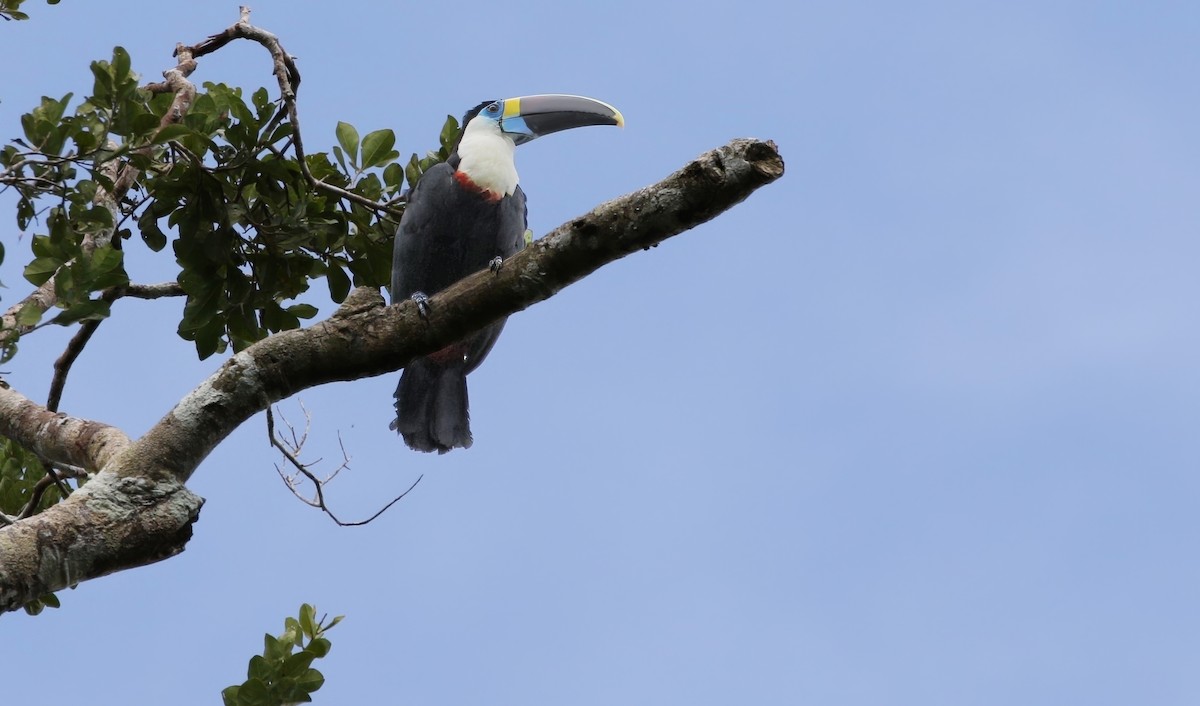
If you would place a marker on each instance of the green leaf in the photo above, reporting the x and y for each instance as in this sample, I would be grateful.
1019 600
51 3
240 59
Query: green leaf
84 311
29 315
262 102
102 87
377 148
347 137
51 109
259 668
152 235
310 681
275 648
229 695
291 628
254 693
338 154
121 64
393 177
449 134
172 132
339 283
297 664
41 269
106 259
308 620
320 646
49 600
412 172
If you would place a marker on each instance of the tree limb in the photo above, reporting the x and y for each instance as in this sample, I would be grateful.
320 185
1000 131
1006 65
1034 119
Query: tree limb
151 291
111 524
363 338
57 437
377 339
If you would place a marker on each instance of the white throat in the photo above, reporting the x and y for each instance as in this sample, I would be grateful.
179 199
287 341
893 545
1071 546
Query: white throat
487 156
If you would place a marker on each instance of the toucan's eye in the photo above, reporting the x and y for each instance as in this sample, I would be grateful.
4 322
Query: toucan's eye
493 108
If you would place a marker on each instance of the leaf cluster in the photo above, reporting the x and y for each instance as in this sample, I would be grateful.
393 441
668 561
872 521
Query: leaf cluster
20 471
45 166
222 184
11 9
281 674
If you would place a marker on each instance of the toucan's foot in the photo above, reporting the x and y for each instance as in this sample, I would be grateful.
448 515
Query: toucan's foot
495 263
422 304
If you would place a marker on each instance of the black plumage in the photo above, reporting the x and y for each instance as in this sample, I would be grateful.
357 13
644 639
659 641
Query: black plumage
462 216
450 229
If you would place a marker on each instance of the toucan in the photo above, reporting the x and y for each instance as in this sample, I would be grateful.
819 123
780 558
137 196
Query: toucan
466 214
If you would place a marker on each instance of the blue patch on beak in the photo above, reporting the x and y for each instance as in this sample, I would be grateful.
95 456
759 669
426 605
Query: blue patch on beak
516 127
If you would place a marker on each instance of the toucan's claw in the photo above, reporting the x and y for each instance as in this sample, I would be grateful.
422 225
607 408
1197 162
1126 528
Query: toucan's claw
495 263
422 304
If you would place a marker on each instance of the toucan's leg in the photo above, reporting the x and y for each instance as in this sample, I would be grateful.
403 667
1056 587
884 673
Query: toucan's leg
422 301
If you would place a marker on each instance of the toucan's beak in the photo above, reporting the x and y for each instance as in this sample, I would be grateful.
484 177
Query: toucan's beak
530 117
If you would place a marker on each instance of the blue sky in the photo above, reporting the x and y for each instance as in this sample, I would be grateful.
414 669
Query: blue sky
914 425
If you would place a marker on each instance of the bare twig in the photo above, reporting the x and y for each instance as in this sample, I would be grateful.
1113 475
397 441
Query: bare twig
54 477
38 490
62 366
75 346
291 451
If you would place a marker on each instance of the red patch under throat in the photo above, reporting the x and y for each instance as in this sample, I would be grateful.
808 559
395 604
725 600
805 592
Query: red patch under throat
465 182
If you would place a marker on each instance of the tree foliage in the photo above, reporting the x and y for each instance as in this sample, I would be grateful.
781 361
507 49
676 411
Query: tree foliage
221 183
283 673
11 9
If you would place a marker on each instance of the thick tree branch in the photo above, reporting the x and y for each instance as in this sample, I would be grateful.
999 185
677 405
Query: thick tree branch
362 340
95 531
151 291
109 525
55 436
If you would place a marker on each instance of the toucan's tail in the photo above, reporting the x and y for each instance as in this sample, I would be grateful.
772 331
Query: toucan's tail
431 406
